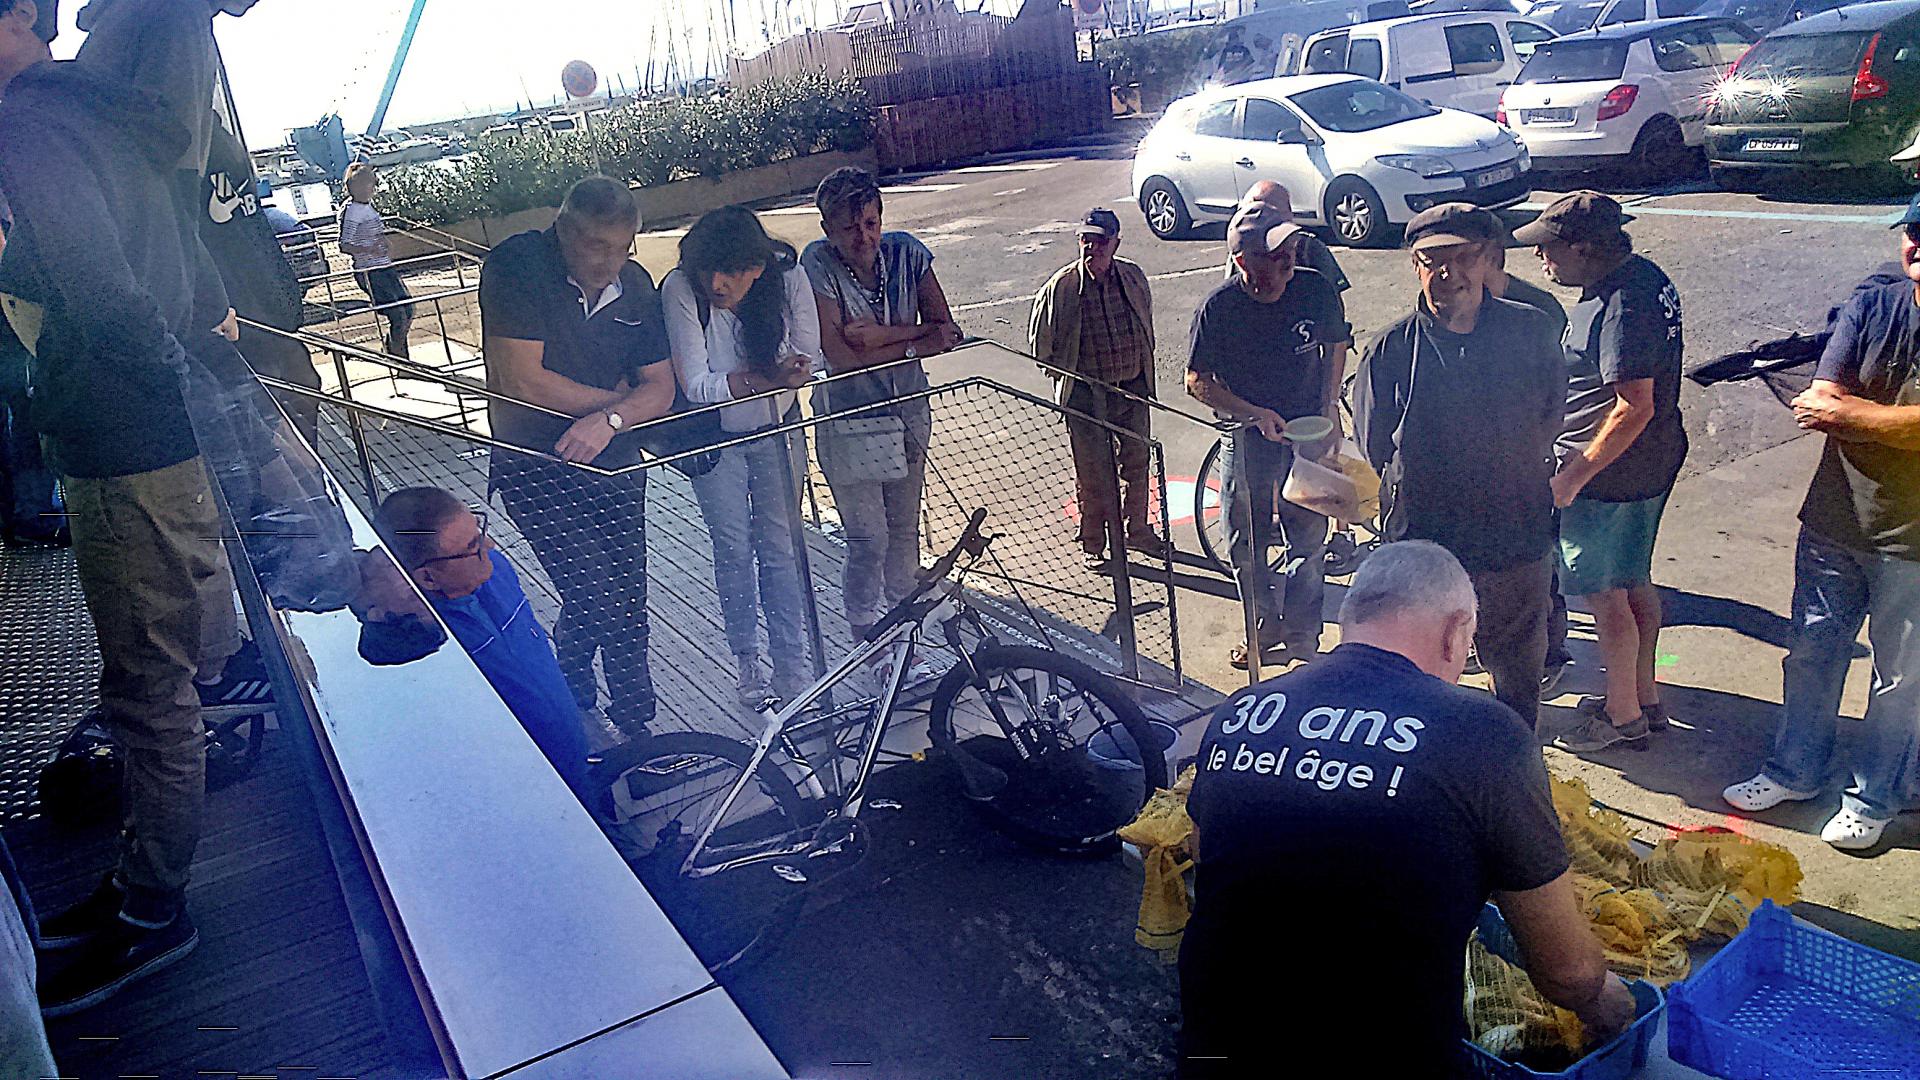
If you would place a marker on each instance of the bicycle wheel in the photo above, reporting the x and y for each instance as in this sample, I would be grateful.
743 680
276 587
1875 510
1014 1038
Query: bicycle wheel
1052 751
1210 514
670 785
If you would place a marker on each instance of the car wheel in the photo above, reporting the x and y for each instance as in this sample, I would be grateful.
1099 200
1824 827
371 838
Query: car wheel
1660 152
1166 211
1356 213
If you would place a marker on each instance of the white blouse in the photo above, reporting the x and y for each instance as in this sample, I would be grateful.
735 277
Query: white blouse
702 359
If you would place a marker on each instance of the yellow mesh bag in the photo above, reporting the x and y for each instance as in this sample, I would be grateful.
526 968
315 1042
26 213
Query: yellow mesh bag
1508 1018
1599 842
1162 831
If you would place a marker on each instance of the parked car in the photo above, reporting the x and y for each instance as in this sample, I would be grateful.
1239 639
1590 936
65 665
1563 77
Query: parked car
1764 16
1634 93
1573 16
1837 90
1357 155
1441 7
1459 60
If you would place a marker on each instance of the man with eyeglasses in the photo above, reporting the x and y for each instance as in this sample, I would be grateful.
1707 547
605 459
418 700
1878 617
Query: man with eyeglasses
443 545
1092 333
1857 560
1458 405
1269 347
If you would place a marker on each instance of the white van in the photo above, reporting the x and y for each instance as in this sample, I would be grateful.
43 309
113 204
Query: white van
1461 60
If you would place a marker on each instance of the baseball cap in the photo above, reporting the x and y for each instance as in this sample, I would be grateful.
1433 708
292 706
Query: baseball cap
1581 217
1100 221
1454 223
1259 229
1912 216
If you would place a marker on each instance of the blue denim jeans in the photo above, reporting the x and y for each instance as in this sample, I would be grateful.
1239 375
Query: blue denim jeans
1835 589
751 503
1290 608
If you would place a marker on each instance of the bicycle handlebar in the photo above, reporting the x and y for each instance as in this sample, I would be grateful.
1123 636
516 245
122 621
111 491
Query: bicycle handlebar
972 542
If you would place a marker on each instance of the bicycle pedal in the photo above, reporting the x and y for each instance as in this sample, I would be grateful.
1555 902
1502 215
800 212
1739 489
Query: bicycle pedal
788 873
884 804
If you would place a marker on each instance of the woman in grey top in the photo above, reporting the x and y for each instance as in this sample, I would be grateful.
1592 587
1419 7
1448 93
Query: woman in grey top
879 304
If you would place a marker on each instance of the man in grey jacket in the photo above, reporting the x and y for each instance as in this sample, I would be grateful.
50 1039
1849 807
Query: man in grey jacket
1092 333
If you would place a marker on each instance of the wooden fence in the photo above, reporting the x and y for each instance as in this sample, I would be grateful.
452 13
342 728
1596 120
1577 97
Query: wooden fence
950 85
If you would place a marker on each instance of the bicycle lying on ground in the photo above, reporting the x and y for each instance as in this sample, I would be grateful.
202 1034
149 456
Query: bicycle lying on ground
1056 754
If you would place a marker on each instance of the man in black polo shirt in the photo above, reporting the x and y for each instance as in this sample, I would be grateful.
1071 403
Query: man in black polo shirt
574 326
1858 560
1268 347
1351 819
1620 449
1457 405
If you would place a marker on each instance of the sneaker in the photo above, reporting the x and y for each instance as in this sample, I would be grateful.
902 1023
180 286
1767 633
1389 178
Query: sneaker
1596 732
750 685
1763 792
1149 545
116 957
1656 716
242 685
1094 561
1849 831
83 920
1550 679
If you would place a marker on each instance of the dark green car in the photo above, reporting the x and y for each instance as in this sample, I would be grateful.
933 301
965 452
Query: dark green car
1837 90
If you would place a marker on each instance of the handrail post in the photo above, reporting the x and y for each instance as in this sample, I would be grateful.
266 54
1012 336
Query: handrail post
355 430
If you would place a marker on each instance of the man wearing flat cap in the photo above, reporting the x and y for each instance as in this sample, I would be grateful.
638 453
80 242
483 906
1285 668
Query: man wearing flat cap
1458 405
1268 348
1619 451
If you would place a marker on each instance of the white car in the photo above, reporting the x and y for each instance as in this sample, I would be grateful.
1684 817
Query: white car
1636 93
1456 60
1358 156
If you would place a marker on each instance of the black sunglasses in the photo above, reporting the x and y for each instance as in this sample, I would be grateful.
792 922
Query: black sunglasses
473 550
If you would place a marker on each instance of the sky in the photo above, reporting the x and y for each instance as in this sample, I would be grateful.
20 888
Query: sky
292 61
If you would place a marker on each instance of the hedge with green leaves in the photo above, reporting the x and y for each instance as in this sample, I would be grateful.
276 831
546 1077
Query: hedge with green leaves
1164 64
646 143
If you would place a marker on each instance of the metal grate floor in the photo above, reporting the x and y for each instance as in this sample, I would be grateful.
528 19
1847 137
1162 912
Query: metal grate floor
49 669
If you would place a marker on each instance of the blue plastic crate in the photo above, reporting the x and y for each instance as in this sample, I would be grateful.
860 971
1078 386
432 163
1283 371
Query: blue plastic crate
1619 1058
1785 1001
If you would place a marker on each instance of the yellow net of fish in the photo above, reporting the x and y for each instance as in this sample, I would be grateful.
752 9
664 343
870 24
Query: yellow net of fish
1509 1018
1163 831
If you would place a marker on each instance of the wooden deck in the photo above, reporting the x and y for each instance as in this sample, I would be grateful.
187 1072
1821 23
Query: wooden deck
277 982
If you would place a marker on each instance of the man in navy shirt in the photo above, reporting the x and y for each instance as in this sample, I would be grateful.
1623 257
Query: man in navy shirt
1858 560
1352 817
1270 347
444 546
1619 451
572 325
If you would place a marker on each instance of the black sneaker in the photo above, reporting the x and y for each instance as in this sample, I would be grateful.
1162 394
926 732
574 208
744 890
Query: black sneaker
1550 679
1655 715
83 920
114 959
243 685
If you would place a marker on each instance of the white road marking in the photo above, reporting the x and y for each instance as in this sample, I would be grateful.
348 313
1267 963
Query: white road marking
1014 166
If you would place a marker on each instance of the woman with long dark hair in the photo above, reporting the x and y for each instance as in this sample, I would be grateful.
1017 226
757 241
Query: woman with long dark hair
744 328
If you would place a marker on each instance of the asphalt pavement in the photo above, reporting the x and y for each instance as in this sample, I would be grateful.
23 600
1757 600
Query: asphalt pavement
1748 268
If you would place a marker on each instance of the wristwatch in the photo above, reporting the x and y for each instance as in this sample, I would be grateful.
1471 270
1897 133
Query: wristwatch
614 421
912 353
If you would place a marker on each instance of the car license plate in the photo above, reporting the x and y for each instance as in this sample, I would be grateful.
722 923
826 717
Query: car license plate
1496 176
1775 145
1546 116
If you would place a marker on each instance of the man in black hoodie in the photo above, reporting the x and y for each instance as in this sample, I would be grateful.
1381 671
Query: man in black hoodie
99 281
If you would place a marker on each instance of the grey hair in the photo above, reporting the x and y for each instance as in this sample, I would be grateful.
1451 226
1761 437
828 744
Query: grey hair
598 201
1405 577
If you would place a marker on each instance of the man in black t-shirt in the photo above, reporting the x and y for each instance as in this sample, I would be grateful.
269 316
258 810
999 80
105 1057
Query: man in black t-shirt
1352 818
1858 560
1457 405
1619 450
573 325
1270 347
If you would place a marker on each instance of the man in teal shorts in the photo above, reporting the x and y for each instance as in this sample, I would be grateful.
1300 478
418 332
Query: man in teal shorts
1619 451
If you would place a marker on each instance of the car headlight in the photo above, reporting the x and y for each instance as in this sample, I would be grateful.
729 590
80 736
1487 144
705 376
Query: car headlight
1425 164
1526 156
